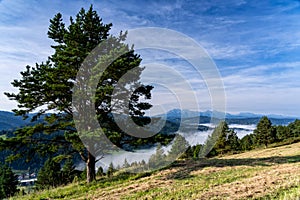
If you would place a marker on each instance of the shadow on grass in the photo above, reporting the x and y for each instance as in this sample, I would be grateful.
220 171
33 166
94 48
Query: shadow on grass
192 165
187 166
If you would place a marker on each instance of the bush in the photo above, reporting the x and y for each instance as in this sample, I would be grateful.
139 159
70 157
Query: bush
100 172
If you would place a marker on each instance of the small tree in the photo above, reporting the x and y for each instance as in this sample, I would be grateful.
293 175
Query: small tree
68 172
8 182
49 175
196 150
126 164
214 141
294 129
110 170
264 132
83 174
247 142
157 159
233 142
221 142
100 171
179 147
227 140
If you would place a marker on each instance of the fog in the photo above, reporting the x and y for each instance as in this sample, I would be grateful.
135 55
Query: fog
240 129
193 138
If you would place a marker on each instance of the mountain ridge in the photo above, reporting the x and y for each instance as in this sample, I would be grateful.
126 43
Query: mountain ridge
217 114
8 120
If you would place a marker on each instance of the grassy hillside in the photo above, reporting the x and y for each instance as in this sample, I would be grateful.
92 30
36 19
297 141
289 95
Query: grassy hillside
272 173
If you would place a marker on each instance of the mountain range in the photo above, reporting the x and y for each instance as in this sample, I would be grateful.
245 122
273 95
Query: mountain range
241 118
8 120
217 114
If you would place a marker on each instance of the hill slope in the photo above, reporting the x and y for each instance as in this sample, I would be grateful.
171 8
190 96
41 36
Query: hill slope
272 173
8 120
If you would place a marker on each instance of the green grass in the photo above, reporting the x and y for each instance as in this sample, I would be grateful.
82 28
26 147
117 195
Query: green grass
272 173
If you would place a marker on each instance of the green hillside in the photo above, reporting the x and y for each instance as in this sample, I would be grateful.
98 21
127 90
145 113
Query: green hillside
272 173
8 120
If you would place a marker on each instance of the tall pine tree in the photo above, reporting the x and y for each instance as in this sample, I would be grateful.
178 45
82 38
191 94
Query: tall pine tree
48 88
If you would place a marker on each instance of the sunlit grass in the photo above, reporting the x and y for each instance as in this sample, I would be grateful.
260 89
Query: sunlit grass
271 173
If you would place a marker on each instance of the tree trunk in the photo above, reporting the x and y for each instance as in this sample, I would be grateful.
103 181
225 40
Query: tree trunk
90 168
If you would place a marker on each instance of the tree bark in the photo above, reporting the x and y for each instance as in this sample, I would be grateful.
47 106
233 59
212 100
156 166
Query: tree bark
90 168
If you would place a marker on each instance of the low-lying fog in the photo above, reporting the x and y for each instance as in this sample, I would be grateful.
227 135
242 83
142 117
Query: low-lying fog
144 154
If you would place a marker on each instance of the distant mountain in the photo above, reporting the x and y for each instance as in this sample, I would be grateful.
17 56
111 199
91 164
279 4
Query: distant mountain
241 118
177 113
246 115
242 115
8 120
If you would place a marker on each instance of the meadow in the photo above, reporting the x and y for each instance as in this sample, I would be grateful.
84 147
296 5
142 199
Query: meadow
269 173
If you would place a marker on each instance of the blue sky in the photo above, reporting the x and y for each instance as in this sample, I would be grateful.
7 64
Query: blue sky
255 44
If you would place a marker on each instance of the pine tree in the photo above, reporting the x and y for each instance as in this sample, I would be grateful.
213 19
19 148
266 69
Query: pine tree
49 87
178 148
247 142
126 164
158 159
283 132
264 132
100 171
233 142
49 176
294 129
196 150
68 171
110 170
221 142
207 149
8 182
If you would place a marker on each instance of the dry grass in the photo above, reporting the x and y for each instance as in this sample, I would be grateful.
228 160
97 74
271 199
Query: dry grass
263 183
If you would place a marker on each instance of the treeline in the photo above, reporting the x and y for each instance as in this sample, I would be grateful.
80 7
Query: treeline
224 140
